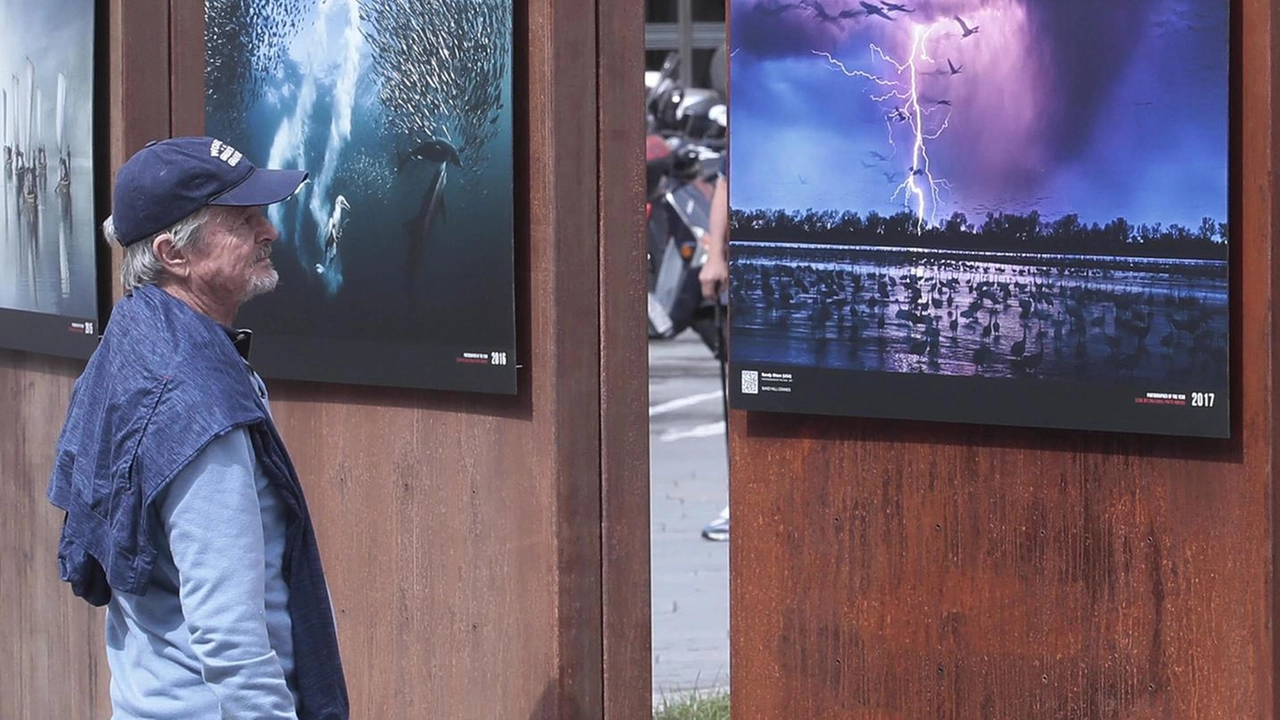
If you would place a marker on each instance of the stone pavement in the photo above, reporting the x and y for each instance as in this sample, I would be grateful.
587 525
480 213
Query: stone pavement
689 487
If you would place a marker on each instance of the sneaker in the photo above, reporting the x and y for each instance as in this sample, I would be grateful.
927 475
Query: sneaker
717 530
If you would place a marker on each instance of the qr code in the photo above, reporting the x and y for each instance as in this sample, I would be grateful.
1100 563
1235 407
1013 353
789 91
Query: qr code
750 382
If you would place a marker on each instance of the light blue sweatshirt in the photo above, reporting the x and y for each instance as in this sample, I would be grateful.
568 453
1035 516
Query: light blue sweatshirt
212 637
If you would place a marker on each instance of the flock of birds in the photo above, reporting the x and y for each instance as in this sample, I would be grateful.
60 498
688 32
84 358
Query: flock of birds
863 9
883 10
989 319
896 113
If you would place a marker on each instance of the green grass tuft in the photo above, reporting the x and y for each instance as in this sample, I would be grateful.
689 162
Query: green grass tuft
708 705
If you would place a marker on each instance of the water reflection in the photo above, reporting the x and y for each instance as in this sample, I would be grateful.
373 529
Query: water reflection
46 249
993 316
64 232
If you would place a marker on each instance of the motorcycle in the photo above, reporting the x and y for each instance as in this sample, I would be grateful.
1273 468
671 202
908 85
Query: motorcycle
683 154
692 114
679 213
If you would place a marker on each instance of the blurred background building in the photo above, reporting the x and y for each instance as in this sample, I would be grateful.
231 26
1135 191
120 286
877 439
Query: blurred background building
695 29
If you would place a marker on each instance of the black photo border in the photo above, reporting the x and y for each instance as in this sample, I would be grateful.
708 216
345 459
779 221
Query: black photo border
1088 407
65 335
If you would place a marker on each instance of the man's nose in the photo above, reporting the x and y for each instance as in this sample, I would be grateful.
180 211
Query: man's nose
267 232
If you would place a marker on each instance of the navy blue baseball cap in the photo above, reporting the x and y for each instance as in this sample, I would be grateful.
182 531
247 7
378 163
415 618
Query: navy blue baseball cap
168 180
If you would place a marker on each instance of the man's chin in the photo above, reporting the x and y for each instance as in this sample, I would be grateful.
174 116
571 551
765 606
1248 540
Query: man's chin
262 284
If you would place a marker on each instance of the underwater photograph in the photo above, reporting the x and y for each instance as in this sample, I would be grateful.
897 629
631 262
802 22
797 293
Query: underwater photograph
396 256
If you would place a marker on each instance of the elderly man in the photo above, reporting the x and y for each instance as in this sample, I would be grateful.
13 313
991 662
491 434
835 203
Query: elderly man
184 514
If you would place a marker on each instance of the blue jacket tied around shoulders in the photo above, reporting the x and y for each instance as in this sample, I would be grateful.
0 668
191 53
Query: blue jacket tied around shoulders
164 383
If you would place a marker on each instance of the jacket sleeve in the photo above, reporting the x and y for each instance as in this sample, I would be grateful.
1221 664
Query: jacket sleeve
211 517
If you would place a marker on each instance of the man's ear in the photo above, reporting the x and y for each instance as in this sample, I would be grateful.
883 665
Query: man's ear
173 259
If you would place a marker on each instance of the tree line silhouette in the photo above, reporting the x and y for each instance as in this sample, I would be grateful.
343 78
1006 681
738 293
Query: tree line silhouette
999 232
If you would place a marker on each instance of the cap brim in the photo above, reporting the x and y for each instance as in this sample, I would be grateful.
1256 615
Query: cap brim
263 187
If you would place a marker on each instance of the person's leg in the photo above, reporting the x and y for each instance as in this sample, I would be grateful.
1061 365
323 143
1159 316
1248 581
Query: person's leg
718 530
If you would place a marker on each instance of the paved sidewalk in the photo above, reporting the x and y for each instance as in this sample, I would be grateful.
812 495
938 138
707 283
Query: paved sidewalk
689 483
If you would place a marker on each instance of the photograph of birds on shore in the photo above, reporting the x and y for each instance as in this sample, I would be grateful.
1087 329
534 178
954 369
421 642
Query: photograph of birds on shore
48 258
990 211
396 257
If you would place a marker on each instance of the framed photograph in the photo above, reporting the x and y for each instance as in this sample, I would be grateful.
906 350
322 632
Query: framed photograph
49 289
1010 212
396 257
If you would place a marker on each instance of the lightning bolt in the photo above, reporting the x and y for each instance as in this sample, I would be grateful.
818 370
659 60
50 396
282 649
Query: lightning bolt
919 151
901 94
921 191
855 73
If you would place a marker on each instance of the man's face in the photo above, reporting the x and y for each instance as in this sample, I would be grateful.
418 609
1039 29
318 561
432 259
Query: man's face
232 261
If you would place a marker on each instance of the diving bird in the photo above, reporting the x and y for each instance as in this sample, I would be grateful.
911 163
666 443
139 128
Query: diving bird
954 70
333 232
965 28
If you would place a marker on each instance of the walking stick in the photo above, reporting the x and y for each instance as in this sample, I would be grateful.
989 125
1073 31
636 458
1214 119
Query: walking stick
722 355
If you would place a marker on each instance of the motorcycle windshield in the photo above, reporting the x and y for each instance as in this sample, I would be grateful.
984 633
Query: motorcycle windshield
693 207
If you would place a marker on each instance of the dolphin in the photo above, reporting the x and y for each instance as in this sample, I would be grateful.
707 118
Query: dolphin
435 150
418 227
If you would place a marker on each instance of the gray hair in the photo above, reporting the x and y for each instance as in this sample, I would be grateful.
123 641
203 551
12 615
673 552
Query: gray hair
140 265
